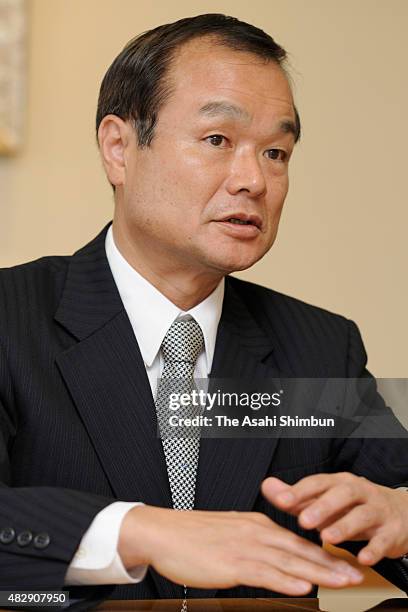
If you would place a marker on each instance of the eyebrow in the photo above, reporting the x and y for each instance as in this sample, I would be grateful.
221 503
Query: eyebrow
289 127
212 109
227 109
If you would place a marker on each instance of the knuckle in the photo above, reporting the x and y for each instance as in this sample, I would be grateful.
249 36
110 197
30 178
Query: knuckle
394 531
342 528
234 514
306 483
380 542
296 540
374 492
260 518
320 479
258 574
368 514
346 477
245 529
349 488
366 485
400 526
233 570
321 506
305 547
291 586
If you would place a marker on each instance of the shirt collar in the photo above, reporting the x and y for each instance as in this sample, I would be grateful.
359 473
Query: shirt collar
151 313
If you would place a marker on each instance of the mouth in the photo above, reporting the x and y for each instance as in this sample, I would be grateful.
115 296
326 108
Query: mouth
241 226
243 219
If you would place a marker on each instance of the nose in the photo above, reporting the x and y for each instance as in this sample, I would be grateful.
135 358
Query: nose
246 175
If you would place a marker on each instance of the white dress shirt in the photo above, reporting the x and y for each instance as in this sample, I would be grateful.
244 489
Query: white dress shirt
151 314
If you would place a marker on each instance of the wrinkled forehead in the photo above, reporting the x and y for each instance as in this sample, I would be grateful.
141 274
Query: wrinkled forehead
204 69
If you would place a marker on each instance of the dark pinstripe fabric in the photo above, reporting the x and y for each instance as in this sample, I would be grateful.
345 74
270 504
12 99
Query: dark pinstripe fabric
78 424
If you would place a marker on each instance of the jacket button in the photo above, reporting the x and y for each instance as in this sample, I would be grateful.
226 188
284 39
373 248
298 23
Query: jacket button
7 535
24 538
41 540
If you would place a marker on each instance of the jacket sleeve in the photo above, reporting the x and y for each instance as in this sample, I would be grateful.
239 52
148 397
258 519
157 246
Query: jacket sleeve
380 460
40 527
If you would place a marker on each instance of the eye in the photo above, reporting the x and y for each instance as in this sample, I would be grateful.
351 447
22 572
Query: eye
276 154
215 139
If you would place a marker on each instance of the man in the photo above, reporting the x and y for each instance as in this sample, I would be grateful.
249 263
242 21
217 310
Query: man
196 125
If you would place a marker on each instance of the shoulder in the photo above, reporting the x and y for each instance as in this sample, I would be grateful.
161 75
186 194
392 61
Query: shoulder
33 284
262 301
307 337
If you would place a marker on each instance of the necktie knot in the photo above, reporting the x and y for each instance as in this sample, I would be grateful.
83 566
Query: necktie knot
183 342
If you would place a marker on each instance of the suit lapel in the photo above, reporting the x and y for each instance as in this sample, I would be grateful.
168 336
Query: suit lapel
108 383
106 377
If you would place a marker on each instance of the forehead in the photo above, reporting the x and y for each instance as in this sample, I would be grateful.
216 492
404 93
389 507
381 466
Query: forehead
202 70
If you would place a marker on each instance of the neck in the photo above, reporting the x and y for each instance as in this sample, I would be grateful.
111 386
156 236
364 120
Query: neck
184 287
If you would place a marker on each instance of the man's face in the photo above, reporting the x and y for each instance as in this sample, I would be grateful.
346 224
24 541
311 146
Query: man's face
208 193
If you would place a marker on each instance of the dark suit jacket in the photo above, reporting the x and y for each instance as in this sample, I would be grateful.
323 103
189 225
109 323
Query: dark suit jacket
78 425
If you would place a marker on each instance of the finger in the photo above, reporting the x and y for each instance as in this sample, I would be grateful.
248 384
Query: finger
263 575
331 520
338 499
358 522
272 487
305 569
289 542
303 490
375 550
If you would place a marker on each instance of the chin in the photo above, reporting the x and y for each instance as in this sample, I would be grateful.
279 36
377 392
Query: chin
229 256
234 263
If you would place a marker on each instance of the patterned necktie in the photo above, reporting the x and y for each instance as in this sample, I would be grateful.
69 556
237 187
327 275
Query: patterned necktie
180 348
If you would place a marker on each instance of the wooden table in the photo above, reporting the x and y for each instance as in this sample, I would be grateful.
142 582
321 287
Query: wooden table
240 605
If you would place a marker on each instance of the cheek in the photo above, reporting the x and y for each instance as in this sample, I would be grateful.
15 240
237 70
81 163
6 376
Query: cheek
192 169
277 194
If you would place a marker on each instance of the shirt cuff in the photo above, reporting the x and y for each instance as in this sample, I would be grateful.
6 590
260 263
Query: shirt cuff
97 560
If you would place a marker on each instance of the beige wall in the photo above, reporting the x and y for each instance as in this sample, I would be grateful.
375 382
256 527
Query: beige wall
342 242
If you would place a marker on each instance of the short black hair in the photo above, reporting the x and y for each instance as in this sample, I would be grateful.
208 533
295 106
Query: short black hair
136 85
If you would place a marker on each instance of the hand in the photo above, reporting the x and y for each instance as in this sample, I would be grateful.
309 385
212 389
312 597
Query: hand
224 549
343 507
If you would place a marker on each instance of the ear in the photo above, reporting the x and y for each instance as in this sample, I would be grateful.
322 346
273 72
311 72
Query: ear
114 137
